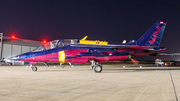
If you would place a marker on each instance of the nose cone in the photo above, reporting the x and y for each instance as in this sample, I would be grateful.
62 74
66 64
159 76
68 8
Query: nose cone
12 58
20 57
15 57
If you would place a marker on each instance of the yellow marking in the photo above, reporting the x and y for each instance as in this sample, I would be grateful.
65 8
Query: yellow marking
84 41
93 42
61 56
84 38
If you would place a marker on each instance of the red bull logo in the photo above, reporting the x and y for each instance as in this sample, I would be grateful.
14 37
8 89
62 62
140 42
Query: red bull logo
97 42
154 35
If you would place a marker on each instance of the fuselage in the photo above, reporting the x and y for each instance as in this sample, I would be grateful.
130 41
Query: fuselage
79 55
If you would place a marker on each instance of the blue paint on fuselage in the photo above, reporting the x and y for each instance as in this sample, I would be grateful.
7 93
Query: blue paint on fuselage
98 52
45 52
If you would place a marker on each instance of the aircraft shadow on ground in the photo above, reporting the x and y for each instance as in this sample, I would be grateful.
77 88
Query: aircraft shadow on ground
138 69
115 70
59 70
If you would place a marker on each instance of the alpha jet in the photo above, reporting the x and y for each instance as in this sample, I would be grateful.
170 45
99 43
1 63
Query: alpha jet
82 51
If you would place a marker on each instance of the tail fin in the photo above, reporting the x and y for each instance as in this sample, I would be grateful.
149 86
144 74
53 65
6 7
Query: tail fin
154 35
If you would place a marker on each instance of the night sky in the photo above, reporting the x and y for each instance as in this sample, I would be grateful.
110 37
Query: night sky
110 20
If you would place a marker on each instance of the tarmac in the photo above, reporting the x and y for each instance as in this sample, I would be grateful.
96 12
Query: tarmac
80 83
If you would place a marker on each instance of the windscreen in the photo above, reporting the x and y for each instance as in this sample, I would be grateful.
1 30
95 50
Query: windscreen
41 48
56 43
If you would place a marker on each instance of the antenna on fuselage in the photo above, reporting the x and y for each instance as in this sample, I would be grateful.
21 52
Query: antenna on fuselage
84 38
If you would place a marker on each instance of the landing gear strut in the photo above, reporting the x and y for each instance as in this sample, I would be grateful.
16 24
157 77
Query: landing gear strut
96 67
71 64
92 64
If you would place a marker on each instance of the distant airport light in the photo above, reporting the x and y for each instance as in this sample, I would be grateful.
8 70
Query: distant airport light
13 37
44 41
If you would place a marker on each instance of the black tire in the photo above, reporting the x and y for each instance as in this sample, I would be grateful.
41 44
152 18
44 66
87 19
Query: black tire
62 66
97 68
34 68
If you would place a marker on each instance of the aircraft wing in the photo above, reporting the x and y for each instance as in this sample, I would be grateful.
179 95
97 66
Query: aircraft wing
121 46
172 54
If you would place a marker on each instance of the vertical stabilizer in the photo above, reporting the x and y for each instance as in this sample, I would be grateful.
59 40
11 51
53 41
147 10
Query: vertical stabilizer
154 35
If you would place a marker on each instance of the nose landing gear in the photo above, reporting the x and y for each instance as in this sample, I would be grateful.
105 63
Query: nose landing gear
34 68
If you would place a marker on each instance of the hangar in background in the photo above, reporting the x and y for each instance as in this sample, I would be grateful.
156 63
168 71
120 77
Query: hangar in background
12 46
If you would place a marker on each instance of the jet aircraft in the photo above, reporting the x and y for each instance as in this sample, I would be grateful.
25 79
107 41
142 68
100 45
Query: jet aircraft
82 51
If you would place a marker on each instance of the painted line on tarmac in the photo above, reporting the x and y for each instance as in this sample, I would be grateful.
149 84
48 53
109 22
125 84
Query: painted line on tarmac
145 89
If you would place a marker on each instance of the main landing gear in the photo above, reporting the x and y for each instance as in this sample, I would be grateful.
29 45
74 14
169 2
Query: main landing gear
96 67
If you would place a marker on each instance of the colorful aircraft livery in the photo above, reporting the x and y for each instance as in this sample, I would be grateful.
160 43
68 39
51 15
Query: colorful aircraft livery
74 51
154 36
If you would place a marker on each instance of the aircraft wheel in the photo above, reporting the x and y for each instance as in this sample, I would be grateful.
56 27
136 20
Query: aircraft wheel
98 68
62 66
34 68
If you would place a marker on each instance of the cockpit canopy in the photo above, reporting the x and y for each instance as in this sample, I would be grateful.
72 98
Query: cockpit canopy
56 43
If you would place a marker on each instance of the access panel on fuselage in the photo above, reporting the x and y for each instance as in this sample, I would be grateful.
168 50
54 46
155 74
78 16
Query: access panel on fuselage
61 56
